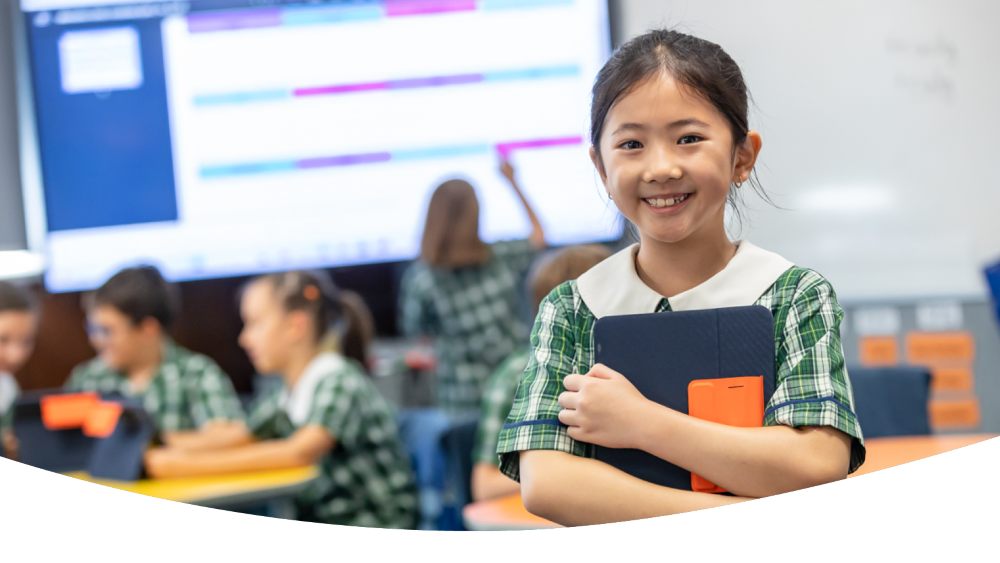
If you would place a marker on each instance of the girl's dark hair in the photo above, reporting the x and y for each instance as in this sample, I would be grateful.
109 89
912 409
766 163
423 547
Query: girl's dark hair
13 299
360 330
700 65
139 293
335 314
451 231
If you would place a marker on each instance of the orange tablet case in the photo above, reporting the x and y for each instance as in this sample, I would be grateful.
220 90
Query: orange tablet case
733 401
70 410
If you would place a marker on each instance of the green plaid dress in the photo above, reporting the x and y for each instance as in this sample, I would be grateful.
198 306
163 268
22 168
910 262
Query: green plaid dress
367 478
812 384
472 312
188 391
497 399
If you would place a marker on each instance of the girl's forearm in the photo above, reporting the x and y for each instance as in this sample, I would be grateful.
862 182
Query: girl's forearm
754 462
214 435
577 491
261 456
537 236
489 483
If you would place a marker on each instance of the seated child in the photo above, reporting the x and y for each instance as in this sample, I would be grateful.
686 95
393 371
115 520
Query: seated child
549 271
18 325
327 411
191 401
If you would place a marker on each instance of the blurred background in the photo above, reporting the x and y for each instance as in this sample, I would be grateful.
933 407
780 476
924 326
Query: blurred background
215 144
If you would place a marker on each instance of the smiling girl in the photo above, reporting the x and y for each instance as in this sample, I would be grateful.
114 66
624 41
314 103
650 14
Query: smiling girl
671 142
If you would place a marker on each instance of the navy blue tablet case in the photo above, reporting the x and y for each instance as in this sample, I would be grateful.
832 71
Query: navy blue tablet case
120 455
54 450
661 353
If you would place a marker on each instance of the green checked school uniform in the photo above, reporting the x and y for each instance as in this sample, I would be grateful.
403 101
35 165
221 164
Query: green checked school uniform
188 390
812 384
473 314
497 399
367 478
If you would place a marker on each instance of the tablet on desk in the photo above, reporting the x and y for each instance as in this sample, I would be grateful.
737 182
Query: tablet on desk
676 355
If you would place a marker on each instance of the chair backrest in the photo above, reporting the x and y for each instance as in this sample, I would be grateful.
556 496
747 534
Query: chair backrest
891 401
458 442
993 280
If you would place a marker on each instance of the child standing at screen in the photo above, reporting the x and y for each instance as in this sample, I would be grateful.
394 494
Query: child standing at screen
464 293
191 401
549 270
18 326
326 411
672 145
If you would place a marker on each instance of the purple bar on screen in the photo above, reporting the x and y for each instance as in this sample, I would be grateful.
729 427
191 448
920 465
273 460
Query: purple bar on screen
436 81
343 160
202 23
340 89
506 148
416 7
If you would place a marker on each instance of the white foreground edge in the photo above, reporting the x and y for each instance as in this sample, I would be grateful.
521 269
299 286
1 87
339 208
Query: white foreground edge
941 508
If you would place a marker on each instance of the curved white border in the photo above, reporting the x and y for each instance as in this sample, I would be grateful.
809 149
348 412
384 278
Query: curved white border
937 508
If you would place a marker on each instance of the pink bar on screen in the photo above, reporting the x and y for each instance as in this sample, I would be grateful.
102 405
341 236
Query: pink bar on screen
340 89
506 148
215 21
416 7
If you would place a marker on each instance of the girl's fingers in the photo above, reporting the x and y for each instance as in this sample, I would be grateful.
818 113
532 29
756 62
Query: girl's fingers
568 417
602 371
573 382
568 400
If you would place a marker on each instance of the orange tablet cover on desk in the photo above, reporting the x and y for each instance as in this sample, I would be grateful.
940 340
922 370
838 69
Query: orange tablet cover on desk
70 410
102 419
733 401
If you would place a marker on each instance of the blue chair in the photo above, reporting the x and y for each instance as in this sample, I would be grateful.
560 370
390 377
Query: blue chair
993 279
458 443
421 429
891 401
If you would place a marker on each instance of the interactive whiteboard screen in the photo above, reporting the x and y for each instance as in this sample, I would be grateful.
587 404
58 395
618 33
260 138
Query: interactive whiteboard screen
211 138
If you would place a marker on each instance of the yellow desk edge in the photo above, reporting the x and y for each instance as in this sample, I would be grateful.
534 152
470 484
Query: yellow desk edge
213 490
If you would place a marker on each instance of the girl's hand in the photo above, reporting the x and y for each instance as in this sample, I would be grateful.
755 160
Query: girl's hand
508 172
603 408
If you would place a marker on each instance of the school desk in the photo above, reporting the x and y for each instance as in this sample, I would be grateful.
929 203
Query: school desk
508 513
275 488
883 453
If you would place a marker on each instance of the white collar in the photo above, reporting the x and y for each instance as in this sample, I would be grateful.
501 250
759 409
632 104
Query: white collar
8 391
613 287
297 402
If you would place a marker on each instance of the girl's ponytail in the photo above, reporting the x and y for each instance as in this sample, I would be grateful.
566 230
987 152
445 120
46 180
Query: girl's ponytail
358 328
341 320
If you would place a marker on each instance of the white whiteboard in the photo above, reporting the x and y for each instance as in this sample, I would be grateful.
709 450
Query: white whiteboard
881 127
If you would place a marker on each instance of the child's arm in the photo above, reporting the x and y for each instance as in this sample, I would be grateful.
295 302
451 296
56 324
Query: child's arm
305 447
561 487
604 408
489 483
537 236
215 434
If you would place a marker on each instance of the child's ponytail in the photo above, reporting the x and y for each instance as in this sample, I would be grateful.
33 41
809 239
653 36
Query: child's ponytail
341 320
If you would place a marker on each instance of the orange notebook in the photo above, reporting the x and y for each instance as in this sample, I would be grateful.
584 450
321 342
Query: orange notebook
734 401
